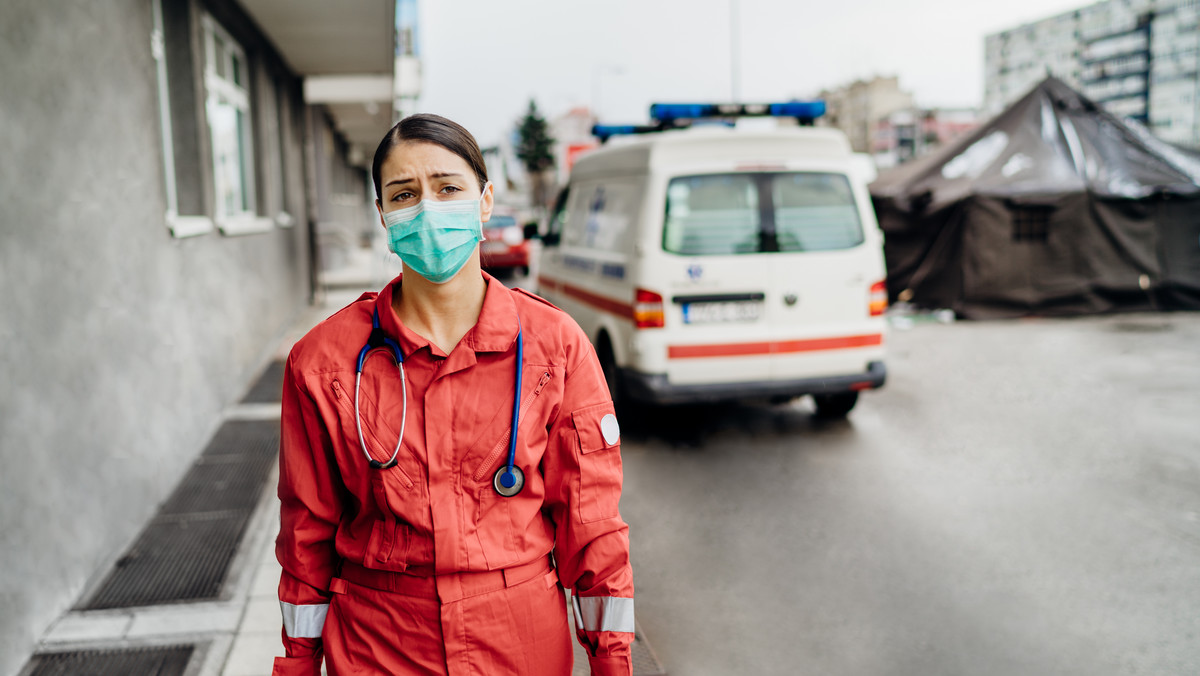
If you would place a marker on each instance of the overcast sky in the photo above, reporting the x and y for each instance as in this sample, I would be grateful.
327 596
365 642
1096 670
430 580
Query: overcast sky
483 60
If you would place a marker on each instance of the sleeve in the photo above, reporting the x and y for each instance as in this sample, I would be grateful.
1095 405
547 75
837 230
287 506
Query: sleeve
310 509
583 480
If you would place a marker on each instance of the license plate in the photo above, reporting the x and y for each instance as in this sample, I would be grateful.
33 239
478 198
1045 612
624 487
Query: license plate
720 313
494 247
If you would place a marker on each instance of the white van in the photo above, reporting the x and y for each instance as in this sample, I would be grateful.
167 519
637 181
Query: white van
716 263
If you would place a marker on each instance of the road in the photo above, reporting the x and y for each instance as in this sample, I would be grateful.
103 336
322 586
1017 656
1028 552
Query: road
1022 497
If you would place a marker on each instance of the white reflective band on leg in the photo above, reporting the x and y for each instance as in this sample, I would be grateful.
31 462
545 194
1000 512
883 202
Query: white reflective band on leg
304 621
603 613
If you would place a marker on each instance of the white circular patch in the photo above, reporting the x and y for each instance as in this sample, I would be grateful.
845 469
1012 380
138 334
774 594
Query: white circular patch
610 429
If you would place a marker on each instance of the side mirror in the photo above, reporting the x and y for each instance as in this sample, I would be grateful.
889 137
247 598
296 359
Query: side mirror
531 230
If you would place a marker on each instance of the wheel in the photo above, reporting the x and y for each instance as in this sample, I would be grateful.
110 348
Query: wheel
608 364
835 405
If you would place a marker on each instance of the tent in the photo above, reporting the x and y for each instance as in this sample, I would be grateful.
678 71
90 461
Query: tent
1054 207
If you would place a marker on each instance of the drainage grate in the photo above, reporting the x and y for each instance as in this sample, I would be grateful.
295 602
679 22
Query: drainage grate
269 387
158 661
184 553
645 662
230 472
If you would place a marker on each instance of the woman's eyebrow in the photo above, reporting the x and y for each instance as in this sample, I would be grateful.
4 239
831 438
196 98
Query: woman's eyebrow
440 174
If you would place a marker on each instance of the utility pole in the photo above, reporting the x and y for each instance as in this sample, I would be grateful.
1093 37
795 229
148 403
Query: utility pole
735 65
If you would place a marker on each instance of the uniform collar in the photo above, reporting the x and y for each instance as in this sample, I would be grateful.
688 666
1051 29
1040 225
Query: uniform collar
495 331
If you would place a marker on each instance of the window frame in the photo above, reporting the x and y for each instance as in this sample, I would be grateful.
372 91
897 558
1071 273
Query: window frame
232 91
179 226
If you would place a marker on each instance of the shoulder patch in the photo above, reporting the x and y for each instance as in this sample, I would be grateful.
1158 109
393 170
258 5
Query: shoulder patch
536 297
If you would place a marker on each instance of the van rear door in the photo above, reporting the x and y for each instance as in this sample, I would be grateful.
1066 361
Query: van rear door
771 276
821 274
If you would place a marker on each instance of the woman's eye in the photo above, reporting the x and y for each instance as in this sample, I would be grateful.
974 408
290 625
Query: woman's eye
402 196
451 189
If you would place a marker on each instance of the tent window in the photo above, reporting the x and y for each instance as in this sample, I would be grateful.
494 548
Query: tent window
1031 223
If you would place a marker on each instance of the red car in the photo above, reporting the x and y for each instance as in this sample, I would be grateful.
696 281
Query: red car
505 247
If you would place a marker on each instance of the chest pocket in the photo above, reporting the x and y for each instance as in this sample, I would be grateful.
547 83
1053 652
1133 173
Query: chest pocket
599 448
373 425
388 544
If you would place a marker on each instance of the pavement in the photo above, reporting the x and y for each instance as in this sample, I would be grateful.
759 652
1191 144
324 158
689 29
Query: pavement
238 634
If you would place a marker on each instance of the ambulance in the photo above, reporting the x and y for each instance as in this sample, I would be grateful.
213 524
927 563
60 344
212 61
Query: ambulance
723 262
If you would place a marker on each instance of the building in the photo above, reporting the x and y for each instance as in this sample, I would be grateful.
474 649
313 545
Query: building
1137 58
408 58
857 107
171 170
907 134
1174 107
572 134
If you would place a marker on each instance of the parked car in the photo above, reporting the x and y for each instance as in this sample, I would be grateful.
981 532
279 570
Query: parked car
505 248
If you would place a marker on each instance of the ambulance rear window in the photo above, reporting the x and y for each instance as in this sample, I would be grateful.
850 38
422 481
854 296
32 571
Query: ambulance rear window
723 214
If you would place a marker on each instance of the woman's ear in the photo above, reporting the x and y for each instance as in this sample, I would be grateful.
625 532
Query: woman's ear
379 208
487 202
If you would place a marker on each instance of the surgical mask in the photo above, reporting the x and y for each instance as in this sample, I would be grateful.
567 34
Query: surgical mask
436 239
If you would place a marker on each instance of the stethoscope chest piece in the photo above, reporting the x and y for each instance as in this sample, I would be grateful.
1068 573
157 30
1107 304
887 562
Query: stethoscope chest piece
508 480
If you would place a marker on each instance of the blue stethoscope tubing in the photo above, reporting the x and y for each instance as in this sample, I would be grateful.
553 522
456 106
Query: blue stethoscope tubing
508 480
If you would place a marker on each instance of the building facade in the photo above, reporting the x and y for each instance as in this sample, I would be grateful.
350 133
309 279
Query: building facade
166 173
1137 58
908 134
858 107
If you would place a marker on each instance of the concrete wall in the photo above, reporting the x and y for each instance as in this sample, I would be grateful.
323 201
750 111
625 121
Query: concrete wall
121 345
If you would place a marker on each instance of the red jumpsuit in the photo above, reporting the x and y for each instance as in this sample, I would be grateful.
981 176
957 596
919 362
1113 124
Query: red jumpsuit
423 568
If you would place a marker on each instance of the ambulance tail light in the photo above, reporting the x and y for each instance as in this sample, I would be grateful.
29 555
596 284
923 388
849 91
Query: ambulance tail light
648 310
878 298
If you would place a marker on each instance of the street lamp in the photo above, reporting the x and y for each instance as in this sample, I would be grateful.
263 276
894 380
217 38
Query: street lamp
735 65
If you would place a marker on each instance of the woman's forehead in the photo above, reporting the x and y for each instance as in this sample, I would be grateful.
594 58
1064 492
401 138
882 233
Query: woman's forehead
425 158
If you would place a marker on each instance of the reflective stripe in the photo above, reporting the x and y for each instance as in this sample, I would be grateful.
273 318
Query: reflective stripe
603 613
304 621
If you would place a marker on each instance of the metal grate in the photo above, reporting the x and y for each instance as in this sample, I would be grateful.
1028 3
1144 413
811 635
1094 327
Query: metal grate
269 386
158 661
184 553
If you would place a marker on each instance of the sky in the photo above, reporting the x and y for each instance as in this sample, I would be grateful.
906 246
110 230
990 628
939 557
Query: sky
483 60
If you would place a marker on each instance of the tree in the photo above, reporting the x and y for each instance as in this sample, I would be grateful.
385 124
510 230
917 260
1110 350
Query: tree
534 152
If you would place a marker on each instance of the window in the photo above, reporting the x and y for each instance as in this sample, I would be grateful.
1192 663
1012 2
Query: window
227 108
724 214
183 221
1031 223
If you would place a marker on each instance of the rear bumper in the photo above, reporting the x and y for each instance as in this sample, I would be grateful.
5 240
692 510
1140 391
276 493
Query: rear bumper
654 388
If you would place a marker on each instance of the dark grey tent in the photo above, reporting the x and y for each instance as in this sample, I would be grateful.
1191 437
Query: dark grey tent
1054 207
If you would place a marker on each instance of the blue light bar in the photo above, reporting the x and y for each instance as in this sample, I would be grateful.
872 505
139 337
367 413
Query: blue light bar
680 111
604 131
668 113
808 110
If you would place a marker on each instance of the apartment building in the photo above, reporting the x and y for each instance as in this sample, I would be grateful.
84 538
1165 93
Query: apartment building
1137 58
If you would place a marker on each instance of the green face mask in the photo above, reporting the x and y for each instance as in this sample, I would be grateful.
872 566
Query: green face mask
436 239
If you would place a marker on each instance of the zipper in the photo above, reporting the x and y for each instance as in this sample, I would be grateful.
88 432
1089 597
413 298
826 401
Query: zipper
503 443
347 403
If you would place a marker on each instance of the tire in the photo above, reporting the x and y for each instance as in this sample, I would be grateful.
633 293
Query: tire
608 364
835 405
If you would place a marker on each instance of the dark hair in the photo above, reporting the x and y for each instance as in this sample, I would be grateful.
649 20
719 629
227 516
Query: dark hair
431 129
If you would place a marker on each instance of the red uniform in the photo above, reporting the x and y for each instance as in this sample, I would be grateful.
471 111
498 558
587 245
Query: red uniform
423 568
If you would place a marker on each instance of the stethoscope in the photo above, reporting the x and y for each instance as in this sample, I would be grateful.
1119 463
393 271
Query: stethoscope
508 480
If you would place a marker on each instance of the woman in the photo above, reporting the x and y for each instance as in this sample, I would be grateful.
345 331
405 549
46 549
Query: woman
416 537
